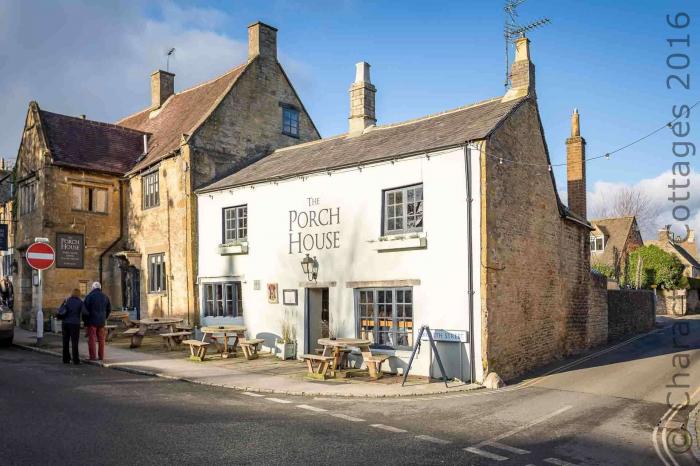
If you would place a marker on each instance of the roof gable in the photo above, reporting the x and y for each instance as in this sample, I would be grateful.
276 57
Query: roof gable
446 129
616 231
181 114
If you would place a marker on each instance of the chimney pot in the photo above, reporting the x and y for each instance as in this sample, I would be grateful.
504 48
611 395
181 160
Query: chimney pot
162 87
362 100
262 41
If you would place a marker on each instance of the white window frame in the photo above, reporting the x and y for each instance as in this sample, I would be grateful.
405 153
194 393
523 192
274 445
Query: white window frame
234 223
594 243
395 212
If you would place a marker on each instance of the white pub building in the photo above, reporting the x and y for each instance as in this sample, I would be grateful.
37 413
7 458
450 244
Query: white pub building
377 232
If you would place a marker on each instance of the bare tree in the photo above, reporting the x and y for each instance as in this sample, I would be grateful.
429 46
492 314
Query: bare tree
627 202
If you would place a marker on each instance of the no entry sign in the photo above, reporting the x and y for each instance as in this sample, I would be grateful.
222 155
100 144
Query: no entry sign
40 256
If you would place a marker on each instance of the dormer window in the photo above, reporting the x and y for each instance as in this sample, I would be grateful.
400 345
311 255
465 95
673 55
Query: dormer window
597 243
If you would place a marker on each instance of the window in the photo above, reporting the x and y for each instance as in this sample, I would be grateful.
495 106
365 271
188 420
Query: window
403 209
386 316
290 121
597 243
89 198
235 223
150 190
27 197
156 273
222 299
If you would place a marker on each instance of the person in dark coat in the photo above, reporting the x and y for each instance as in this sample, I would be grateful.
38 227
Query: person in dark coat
70 313
98 309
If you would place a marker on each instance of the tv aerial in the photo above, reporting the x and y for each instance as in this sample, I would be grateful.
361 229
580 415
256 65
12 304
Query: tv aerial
168 54
512 29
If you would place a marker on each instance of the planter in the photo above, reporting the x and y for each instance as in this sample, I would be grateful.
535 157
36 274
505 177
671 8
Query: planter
286 350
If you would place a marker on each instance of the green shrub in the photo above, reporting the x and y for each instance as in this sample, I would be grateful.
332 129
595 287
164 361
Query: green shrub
604 269
660 268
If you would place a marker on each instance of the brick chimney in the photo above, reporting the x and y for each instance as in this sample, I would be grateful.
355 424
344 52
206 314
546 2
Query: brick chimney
576 168
362 93
262 41
522 72
162 87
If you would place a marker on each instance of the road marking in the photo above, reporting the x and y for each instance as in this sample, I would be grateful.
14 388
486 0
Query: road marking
518 451
525 427
347 418
389 428
253 394
485 454
277 400
428 438
312 408
668 416
559 462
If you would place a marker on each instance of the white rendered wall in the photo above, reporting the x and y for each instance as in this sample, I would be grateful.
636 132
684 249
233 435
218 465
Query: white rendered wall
441 298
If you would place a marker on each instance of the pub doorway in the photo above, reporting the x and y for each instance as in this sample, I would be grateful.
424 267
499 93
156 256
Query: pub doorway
131 290
317 317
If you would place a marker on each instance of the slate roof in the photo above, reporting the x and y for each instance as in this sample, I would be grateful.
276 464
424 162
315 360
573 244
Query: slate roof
92 145
445 129
616 230
181 114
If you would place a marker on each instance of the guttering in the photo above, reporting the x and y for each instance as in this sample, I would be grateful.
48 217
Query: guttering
470 256
121 229
580 222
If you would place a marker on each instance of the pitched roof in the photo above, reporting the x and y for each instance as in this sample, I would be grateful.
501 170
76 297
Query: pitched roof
683 250
181 114
445 129
616 230
92 145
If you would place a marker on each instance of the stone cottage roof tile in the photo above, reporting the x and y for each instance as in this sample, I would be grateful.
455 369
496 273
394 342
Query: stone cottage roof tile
91 145
445 129
181 114
616 230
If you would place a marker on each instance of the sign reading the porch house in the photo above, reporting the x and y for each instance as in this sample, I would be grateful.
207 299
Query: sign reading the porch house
70 250
301 241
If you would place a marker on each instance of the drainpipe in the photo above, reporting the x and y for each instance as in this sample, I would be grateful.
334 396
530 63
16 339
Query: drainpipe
470 255
121 229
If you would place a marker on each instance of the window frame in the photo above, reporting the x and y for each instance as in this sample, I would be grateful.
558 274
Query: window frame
404 206
594 243
394 331
29 187
293 130
230 308
88 198
237 227
153 276
152 199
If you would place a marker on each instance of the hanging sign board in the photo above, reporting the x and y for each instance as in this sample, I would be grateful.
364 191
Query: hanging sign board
70 250
453 336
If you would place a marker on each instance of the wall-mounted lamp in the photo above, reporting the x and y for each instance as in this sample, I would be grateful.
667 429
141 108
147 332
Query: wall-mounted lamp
310 267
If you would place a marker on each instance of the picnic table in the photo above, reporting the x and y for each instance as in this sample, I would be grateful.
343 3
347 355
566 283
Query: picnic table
228 331
150 324
119 316
334 348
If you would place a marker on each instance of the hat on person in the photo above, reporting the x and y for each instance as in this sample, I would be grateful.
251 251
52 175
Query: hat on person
96 285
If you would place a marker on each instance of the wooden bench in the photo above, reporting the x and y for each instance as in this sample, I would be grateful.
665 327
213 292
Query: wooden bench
184 327
110 331
250 347
171 340
318 366
344 362
375 361
198 349
136 337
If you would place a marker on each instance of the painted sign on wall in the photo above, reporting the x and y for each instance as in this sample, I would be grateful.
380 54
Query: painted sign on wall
300 220
70 250
455 336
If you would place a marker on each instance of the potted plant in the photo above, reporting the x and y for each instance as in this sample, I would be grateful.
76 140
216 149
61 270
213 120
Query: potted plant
287 342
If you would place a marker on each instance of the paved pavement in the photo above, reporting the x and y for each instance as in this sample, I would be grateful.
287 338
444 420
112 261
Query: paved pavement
602 410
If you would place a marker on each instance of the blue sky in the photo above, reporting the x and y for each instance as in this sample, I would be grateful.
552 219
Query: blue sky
605 57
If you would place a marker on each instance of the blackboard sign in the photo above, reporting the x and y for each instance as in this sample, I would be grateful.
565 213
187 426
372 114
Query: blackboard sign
70 250
3 236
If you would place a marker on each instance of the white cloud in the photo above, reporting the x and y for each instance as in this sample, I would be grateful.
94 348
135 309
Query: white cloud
95 58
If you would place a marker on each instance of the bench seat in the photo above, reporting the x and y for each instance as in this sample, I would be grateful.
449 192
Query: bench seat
171 340
250 347
198 349
318 366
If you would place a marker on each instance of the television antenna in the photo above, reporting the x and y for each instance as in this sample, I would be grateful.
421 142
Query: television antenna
168 54
512 29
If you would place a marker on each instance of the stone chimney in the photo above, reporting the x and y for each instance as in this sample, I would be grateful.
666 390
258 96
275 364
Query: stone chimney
576 168
663 235
691 236
362 94
522 72
162 87
262 41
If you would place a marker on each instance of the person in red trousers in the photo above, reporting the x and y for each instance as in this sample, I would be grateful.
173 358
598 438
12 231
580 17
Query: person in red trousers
98 309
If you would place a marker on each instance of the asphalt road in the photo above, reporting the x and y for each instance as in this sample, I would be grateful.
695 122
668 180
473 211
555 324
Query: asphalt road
599 411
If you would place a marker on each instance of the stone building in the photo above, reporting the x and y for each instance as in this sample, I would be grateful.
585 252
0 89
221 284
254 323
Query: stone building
124 191
686 251
451 220
612 241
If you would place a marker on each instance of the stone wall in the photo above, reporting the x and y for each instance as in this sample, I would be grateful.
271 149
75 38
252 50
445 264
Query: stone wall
535 264
597 330
629 312
671 302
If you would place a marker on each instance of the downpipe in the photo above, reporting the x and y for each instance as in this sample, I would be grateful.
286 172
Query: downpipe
470 257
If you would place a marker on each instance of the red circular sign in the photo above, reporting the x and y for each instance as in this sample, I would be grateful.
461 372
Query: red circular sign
40 256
